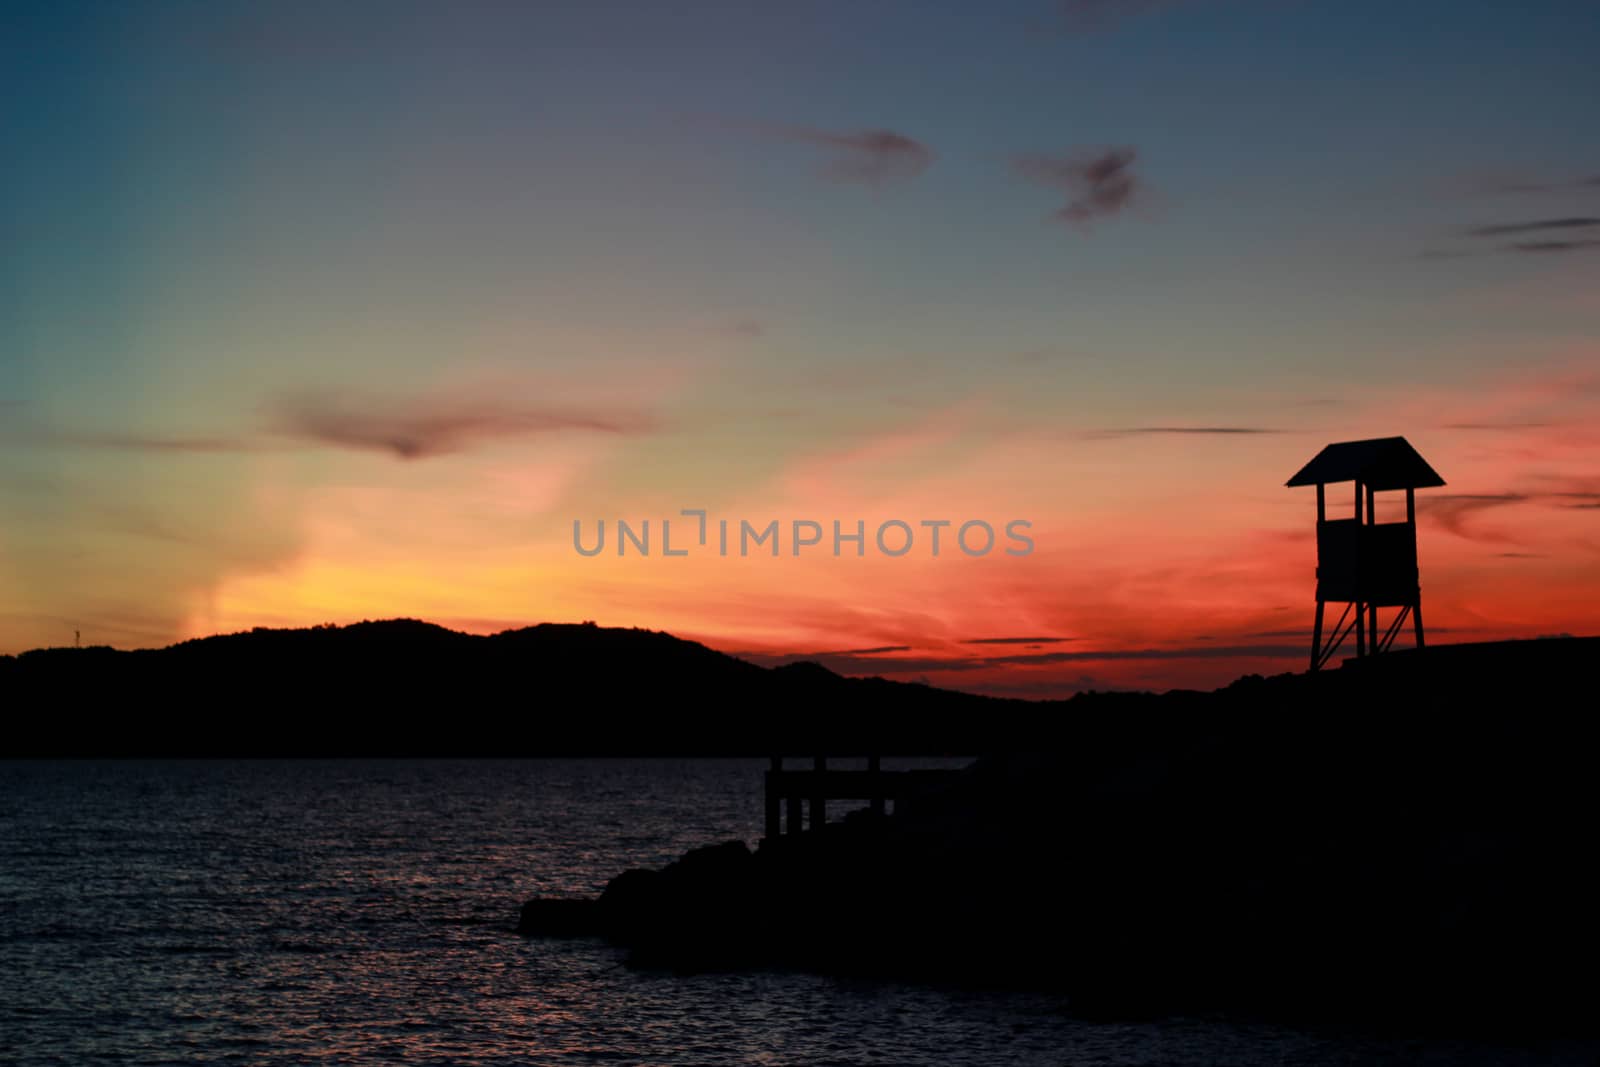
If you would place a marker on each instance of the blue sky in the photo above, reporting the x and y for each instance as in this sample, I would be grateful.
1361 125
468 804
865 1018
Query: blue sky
772 230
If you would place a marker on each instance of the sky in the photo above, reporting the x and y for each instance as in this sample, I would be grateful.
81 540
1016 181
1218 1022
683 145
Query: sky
318 313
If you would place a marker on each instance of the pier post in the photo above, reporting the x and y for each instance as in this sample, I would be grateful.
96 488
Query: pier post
875 772
774 814
819 802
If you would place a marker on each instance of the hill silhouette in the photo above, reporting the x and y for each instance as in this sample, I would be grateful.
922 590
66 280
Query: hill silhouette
404 687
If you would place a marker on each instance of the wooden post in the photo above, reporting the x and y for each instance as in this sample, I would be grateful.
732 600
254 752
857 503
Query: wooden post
1416 602
774 776
819 803
1316 629
1361 614
875 770
1316 639
1372 609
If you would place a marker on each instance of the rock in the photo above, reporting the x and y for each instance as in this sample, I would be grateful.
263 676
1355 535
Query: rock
560 917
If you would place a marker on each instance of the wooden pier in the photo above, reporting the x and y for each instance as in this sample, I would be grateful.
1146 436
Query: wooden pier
818 785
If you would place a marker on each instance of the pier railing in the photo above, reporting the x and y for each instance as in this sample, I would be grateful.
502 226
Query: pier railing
793 788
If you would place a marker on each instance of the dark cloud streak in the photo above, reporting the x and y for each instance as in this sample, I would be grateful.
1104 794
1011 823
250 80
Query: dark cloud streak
869 157
116 441
408 431
1179 431
1507 229
420 431
1538 247
1587 183
1098 183
1581 224
864 664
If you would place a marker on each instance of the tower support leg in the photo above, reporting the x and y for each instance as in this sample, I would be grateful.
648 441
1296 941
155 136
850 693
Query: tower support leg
1316 637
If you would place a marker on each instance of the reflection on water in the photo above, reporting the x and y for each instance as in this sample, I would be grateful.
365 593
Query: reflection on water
360 911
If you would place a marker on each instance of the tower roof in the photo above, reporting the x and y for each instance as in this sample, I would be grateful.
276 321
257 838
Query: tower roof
1379 463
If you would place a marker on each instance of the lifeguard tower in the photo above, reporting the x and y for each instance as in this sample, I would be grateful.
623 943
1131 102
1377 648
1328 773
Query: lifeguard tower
1362 563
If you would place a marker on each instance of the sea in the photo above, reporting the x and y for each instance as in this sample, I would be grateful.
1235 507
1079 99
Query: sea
363 912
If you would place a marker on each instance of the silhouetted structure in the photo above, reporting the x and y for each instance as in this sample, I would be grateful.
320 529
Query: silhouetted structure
1362 563
820 785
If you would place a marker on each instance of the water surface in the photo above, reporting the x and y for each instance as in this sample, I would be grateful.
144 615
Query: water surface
327 912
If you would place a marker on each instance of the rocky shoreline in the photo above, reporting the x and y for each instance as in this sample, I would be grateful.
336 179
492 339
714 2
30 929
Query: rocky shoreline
1406 839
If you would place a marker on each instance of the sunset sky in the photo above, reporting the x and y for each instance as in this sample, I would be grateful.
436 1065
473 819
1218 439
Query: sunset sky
322 312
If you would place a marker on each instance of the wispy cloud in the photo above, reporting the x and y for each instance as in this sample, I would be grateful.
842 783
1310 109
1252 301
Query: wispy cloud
132 441
1456 512
1554 246
1178 652
1586 228
1523 184
868 662
869 157
1583 501
1516 424
879 651
1535 226
422 429
1017 640
407 429
1177 431
1098 183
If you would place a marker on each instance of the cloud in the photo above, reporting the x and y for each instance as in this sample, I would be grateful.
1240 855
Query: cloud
416 429
867 662
1503 184
1177 431
1017 640
420 430
1098 183
1554 246
870 157
142 442
867 651
1454 511
864 663
1508 228
1582 225
1181 652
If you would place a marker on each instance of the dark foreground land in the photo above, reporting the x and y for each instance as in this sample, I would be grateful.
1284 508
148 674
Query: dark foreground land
1409 838
407 688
